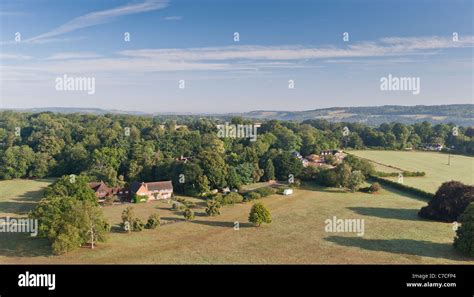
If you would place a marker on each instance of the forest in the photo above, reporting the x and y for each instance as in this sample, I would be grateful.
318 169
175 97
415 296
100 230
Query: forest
119 149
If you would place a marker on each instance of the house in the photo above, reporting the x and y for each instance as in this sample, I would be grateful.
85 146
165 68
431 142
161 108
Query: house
287 192
101 190
182 159
152 190
432 147
337 154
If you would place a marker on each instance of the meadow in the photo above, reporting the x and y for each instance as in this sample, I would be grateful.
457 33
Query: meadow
393 232
461 168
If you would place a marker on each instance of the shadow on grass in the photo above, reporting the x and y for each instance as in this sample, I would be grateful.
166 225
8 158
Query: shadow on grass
223 224
402 246
388 213
23 245
313 187
22 204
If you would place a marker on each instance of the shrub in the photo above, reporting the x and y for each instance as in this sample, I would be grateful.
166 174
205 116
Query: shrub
213 208
374 187
252 196
259 214
356 178
265 191
232 198
188 214
464 240
153 221
327 178
128 215
138 225
449 202
139 199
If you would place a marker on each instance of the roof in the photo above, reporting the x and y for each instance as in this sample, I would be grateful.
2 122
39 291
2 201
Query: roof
158 186
99 186
153 186
313 157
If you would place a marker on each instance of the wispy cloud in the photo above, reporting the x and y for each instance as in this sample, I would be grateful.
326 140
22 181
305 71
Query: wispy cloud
73 55
8 56
101 17
242 58
172 18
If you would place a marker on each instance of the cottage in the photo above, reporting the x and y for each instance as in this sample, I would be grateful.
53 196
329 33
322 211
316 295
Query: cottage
153 190
101 190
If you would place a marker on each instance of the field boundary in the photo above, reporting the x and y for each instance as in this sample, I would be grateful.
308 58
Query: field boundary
404 188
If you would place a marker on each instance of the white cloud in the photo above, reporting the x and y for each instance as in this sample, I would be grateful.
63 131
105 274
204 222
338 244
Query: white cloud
73 55
172 18
8 56
101 17
240 58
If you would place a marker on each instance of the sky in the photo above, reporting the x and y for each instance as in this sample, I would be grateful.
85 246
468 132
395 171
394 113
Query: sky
182 55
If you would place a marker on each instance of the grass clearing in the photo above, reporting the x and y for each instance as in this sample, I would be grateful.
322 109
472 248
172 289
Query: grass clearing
434 164
393 234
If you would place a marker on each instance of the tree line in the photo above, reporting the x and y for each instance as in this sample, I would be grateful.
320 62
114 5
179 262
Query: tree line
122 148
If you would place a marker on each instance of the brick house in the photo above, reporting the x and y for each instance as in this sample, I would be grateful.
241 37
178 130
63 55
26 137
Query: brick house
152 190
101 190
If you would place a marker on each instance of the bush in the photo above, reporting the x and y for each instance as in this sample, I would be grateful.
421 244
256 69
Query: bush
374 187
139 199
265 191
449 202
327 178
232 198
252 196
213 208
138 225
259 214
153 221
128 216
189 214
464 240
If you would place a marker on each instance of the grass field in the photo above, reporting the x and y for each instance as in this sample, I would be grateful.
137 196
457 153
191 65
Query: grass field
434 164
393 233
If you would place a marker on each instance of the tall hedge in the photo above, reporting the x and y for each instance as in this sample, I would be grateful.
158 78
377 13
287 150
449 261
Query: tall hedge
403 187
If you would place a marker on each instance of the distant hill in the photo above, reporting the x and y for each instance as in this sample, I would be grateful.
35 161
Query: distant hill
460 114
82 110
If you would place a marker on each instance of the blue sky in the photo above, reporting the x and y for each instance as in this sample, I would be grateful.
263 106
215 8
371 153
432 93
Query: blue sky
193 41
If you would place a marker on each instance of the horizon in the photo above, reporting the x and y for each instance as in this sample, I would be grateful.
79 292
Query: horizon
179 43
221 113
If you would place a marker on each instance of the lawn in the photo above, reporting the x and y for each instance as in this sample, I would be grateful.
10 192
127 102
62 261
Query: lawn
393 234
434 164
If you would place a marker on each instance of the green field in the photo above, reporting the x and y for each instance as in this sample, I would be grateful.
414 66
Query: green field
434 164
393 233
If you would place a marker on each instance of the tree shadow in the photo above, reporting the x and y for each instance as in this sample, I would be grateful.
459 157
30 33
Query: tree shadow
22 204
223 224
402 246
388 213
23 245
172 219
313 187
